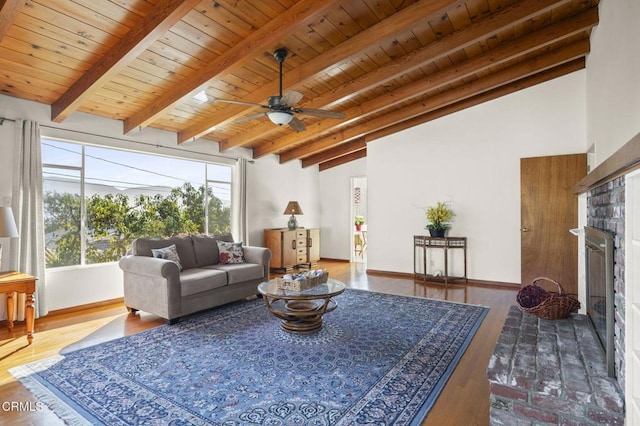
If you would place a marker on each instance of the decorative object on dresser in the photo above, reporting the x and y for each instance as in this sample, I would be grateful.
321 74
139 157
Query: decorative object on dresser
293 208
8 227
439 218
292 249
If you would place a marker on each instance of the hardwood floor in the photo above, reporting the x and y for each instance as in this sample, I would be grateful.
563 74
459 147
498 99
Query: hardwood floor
464 400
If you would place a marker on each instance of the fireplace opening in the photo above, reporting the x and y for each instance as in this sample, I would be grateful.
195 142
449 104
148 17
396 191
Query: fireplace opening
600 289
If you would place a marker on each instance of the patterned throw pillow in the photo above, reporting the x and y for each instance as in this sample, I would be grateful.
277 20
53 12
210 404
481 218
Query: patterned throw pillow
169 253
230 252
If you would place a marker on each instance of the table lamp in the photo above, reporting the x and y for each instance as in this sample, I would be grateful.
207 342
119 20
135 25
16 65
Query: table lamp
293 208
8 227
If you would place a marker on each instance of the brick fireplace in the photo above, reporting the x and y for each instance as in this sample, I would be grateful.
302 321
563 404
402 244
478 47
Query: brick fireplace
606 211
555 372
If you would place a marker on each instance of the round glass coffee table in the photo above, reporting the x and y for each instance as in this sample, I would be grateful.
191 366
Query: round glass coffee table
301 311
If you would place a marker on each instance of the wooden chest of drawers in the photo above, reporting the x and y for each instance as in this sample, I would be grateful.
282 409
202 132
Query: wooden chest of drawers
292 248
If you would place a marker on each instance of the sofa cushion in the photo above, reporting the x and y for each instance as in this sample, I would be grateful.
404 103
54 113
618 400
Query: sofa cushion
206 249
230 253
169 253
240 272
184 247
197 280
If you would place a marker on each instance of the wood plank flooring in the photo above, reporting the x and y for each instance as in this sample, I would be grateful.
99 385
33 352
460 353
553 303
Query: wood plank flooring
464 400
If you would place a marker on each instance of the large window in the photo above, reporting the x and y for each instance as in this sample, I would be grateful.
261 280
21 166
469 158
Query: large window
97 200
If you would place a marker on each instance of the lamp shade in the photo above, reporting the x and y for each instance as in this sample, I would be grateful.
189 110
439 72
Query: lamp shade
8 227
293 208
280 117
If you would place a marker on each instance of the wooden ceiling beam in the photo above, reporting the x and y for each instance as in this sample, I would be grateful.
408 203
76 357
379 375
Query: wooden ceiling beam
334 57
468 68
153 26
9 10
556 72
440 48
506 76
343 160
337 151
296 17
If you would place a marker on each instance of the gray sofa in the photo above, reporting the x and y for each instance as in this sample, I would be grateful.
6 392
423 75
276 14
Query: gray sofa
158 286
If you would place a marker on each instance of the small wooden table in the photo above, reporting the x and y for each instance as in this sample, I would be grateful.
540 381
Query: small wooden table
12 282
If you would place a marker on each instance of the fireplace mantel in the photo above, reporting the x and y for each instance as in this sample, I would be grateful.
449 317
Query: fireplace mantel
624 160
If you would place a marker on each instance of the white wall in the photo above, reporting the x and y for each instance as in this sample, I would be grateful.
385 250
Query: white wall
613 78
269 185
335 209
471 158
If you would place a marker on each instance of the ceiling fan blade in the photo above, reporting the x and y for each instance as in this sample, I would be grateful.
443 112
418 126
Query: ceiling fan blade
249 117
291 98
297 125
323 113
231 101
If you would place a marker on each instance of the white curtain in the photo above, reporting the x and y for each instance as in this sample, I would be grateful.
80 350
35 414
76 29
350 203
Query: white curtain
27 251
239 222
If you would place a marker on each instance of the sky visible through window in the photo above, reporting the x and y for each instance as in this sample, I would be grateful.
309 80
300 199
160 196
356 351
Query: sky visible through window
125 170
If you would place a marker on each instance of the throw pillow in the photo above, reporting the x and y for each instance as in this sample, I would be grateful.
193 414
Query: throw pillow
169 253
230 252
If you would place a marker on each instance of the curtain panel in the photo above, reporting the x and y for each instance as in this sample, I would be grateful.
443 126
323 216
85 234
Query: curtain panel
28 250
239 221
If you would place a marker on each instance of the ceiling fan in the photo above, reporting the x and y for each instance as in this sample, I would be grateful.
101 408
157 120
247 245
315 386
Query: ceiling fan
281 109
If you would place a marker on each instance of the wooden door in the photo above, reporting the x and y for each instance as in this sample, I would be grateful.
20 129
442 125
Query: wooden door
549 209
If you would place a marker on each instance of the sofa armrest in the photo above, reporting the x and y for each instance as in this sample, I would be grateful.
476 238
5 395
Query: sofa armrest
253 254
260 255
152 285
151 266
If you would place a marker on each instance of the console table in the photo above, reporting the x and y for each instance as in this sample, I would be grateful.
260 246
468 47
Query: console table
424 243
12 282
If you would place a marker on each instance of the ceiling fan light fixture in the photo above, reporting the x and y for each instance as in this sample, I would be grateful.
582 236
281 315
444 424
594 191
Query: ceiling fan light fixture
280 117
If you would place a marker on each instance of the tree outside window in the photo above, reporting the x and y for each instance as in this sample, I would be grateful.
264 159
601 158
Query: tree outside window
126 200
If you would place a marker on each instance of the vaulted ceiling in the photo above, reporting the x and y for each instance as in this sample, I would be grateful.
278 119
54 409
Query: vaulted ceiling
386 64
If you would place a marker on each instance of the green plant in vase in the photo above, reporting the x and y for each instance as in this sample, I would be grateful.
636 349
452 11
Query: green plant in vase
439 217
358 221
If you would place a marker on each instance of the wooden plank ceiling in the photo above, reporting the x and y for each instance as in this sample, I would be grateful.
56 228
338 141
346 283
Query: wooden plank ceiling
386 64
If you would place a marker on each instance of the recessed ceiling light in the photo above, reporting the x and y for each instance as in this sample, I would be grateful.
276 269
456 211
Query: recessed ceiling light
201 97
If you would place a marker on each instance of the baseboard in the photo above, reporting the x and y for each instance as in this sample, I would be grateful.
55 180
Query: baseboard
73 309
328 259
408 275
389 274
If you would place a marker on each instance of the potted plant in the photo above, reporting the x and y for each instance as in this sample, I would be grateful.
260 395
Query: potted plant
359 221
439 217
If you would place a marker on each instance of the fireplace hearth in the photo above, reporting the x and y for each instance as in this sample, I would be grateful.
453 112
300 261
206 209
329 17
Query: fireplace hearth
600 290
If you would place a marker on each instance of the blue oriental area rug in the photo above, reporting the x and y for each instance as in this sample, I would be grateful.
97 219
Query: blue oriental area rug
379 359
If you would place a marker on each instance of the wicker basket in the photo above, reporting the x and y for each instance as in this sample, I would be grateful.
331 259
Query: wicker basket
302 285
543 304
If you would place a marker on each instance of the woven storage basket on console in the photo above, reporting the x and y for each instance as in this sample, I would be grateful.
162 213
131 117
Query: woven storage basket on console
537 301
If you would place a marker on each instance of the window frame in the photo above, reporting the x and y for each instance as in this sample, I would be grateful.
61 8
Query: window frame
82 183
